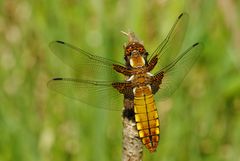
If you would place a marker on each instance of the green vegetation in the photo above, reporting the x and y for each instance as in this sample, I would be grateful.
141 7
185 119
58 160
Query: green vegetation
200 122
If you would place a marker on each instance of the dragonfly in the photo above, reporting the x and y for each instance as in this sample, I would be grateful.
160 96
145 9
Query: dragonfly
138 83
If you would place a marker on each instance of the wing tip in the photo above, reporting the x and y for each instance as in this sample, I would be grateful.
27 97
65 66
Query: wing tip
49 83
199 45
57 79
180 15
183 13
52 43
195 44
61 42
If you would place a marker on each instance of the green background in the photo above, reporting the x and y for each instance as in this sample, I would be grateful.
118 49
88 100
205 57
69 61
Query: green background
200 122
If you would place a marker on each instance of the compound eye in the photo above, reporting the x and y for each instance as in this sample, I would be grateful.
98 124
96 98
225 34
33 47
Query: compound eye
141 49
128 51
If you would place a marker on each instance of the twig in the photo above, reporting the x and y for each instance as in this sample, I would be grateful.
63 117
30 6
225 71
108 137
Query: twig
132 145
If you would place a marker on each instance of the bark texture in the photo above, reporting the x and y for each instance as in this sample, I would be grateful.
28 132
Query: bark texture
132 145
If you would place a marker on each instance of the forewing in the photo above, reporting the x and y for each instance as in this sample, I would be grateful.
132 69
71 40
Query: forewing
175 72
171 45
99 94
88 65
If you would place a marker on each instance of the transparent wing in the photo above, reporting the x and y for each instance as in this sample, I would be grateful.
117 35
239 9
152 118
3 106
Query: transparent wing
175 72
95 93
171 45
89 66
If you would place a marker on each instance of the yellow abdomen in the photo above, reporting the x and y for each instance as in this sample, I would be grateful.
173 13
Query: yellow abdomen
146 117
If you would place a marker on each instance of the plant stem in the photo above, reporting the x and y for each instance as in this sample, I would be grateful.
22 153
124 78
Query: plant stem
132 145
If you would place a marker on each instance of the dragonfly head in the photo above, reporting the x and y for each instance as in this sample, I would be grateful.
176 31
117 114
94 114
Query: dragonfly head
135 53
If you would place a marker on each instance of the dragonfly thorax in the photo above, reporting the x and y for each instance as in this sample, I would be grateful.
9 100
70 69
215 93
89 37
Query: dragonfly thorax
141 79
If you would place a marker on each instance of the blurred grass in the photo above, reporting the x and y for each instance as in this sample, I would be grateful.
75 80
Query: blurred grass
200 122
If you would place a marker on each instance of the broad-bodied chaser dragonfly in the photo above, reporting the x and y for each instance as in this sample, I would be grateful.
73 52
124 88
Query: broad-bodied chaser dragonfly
146 78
